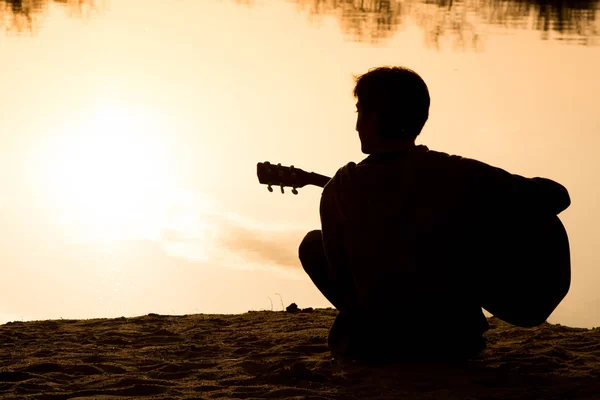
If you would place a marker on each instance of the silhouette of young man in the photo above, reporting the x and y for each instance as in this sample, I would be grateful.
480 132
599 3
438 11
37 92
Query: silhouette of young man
388 255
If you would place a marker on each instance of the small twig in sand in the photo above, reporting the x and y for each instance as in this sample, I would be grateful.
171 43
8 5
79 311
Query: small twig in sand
281 298
271 302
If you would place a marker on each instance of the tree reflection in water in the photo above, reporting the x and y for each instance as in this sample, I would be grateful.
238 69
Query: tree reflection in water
464 23
26 16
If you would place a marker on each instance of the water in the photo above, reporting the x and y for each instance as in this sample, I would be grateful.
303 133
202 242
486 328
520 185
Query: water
131 130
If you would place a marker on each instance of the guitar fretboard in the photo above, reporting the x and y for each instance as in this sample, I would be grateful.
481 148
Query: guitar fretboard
318 179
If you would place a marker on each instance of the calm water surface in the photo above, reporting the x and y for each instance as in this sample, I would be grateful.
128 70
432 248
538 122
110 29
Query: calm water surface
130 132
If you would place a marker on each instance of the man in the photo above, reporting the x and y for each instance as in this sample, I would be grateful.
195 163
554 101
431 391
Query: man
390 255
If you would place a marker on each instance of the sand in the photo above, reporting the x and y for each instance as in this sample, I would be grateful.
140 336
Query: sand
277 355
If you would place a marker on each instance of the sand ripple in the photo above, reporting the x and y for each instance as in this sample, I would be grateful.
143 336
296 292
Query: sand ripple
276 355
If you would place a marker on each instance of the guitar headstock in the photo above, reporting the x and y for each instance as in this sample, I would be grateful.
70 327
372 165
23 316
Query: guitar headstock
278 175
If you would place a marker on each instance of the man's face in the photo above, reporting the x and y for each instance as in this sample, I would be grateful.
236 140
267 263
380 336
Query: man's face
366 126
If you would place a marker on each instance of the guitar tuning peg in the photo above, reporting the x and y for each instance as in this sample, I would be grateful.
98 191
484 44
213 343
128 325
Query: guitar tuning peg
294 191
269 188
282 189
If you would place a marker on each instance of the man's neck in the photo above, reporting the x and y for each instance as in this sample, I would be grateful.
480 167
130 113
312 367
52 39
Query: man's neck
392 147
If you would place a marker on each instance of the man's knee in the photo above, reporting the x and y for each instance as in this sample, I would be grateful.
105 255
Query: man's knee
311 247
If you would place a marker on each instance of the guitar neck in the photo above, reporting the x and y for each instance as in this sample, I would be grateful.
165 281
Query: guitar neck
318 179
278 175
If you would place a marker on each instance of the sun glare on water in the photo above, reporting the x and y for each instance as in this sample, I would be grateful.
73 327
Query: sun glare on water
109 176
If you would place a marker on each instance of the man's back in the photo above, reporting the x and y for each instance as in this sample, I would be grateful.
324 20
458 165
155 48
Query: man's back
397 223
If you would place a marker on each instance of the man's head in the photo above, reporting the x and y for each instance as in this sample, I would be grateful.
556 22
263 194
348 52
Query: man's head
392 105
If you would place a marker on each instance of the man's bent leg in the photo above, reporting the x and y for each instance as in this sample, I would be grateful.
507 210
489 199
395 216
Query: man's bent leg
348 335
315 263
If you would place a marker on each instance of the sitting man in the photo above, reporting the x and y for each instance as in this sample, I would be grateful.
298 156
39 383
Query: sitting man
388 256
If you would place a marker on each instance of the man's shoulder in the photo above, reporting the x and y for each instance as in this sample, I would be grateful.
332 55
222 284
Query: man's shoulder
344 174
421 154
422 158
460 162
443 156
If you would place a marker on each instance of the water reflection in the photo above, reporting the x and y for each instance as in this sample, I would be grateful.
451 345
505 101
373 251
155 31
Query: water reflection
464 22
26 16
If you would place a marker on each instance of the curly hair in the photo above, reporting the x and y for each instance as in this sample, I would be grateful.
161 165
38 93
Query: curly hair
398 96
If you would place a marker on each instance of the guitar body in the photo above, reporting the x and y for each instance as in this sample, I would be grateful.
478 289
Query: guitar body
522 264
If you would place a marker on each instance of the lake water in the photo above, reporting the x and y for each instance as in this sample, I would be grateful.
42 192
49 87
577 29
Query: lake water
130 132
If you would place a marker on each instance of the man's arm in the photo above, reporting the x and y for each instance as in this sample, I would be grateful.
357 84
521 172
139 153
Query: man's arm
332 226
497 187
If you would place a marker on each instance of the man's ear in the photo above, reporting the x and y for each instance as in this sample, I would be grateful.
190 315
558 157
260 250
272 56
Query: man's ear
377 123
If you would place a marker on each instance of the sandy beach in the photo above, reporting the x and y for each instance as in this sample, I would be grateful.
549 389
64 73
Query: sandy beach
278 355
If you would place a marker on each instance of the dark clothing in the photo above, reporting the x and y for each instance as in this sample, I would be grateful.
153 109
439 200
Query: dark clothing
393 228
390 338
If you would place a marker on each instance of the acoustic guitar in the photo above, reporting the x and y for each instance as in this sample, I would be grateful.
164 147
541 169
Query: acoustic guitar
521 263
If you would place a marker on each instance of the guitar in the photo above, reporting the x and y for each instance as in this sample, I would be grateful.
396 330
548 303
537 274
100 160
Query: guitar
278 175
521 263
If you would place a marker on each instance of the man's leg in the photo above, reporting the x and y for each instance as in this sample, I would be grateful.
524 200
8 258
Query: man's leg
348 335
315 263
